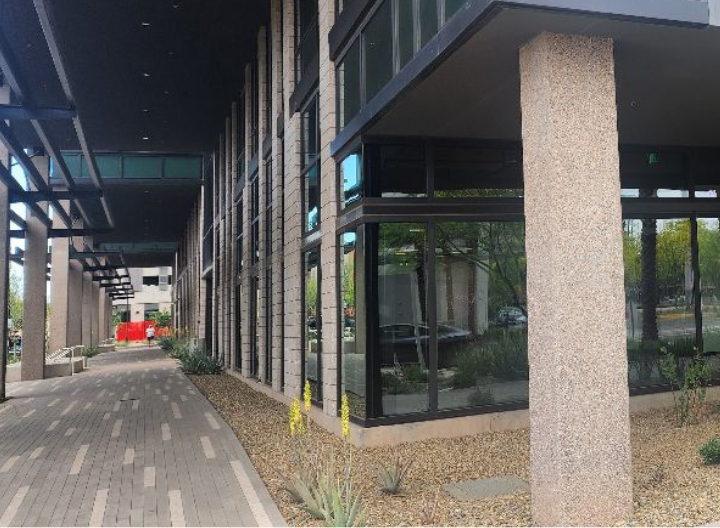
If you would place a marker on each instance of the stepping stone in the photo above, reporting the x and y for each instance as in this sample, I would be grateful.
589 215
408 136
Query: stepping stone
486 488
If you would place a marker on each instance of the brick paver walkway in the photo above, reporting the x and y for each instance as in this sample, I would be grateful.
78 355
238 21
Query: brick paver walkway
130 442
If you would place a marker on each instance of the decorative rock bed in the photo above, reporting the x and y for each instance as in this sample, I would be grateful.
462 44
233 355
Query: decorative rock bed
672 486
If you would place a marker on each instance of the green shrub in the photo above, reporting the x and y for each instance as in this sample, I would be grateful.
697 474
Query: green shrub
688 381
198 362
393 384
167 343
710 452
415 374
481 396
91 351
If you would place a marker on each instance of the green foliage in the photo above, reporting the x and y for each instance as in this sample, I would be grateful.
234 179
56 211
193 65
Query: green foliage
394 384
481 396
167 344
501 354
689 382
415 374
392 475
198 362
162 319
91 351
710 452
15 299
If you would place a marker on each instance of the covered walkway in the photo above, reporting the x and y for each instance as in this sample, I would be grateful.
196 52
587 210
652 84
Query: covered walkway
130 442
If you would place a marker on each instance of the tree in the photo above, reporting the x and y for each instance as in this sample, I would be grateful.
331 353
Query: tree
15 299
162 319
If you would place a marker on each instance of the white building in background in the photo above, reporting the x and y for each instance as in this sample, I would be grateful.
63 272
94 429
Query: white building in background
153 293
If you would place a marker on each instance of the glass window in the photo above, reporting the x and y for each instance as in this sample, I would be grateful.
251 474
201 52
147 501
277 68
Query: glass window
349 85
709 265
240 224
255 219
452 7
310 133
653 174
181 167
254 324
268 326
480 278
110 166
254 110
428 15
306 12
352 325
312 199
378 45
658 294
143 167
477 172
397 171
238 328
351 179
405 31
402 318
311 316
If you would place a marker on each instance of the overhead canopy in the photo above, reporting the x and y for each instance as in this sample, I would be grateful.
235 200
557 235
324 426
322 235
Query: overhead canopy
147 77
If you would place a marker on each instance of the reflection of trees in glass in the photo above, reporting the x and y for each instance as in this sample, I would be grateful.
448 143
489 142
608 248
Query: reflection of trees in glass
498 248
349 280
655 267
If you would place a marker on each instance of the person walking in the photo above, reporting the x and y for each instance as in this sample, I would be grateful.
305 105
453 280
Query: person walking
150 334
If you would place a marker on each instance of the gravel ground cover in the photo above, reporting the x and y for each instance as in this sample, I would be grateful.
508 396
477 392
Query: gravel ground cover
672 486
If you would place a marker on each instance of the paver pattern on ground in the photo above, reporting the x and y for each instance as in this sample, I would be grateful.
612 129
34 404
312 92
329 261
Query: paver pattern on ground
129 442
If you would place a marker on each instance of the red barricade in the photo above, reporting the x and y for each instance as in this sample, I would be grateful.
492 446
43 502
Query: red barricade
136 331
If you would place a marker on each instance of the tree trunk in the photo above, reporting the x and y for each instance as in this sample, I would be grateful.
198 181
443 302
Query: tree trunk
648 281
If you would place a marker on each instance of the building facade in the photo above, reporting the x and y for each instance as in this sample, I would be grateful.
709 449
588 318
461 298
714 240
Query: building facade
152 289
454 211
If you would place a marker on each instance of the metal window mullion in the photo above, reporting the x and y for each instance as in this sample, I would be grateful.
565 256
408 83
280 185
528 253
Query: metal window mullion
431 308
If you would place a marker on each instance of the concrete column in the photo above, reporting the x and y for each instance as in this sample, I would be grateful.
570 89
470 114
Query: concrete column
328 210
4 254
95 313
579 415
102 316
75 301
87 290
35 296
59 288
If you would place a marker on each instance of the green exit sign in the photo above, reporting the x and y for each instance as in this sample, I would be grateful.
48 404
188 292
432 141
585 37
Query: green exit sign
653 158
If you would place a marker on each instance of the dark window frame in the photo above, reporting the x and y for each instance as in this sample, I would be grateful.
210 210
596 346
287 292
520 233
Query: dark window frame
318 322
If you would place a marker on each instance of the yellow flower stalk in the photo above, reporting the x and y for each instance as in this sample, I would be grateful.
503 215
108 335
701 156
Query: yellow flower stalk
345 415
294 408
307 396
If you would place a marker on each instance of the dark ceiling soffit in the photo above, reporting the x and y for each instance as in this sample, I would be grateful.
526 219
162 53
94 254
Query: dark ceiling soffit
22 113
46 22
474 15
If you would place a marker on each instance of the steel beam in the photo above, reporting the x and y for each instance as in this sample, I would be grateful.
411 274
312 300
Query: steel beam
17 219
106 267
45 15
16 233
47 196
24 113
13 185
81 232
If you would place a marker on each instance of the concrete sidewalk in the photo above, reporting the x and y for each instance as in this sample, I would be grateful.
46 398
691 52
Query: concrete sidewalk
130 442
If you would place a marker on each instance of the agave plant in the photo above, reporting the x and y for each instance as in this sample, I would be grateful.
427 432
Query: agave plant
391 476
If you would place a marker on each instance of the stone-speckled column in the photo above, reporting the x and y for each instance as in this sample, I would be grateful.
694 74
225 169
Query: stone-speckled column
579 415
35 296
59 274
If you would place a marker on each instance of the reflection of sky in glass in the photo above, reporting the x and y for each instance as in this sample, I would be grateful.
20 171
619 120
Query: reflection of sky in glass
350 172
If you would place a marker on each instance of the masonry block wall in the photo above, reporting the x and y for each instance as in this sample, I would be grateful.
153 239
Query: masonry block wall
257 312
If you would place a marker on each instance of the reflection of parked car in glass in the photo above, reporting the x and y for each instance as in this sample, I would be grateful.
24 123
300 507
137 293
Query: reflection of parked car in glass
399 343
510 316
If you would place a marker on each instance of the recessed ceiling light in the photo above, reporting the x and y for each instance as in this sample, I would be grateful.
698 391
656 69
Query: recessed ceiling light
146 110
145 138
176 5
167 92
146 74
145 24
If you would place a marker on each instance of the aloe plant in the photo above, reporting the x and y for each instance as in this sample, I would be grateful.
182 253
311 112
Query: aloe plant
391 476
